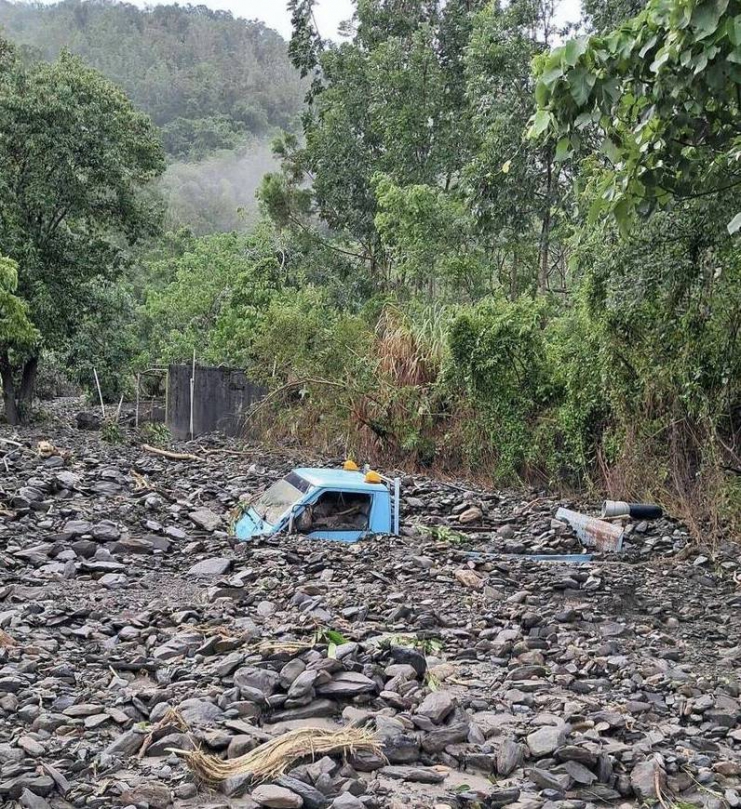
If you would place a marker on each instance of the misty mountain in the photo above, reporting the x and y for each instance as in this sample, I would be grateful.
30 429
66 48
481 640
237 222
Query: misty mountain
217 86
208 79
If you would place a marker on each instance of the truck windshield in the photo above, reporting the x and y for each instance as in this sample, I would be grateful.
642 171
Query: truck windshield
280 497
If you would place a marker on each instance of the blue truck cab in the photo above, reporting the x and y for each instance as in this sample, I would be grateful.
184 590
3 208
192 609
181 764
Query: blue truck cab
340 504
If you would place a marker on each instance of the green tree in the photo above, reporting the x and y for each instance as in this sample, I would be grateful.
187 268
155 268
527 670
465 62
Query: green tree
662 91
219 290
391 101
430 241
206 77
74 157
516 190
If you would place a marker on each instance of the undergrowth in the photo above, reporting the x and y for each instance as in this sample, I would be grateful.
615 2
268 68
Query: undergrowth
505 393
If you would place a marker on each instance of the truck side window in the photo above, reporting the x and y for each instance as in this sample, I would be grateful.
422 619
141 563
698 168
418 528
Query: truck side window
341 511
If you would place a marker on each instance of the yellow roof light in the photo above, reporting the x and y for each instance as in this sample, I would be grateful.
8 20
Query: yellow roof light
350 466
373 477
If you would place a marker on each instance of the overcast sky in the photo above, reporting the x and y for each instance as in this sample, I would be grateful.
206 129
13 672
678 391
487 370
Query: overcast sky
329 13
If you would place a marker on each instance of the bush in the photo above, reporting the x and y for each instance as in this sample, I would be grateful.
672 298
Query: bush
498 361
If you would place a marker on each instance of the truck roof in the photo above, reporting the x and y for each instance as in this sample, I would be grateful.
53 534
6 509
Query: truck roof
337 479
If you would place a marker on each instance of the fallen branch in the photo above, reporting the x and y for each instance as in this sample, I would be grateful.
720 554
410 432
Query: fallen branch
173 456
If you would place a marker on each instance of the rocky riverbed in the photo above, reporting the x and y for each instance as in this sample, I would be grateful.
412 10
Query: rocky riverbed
131 626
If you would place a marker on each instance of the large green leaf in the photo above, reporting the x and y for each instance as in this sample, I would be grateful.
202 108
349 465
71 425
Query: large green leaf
581 82
573 50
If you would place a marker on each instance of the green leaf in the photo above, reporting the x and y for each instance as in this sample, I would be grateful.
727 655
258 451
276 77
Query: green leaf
541 121
622 212
706 17
662 57
581 82
332 650
542 93
611 149
573 50
735 224
563 149
733 30
505 166
333 636
551 76
647 47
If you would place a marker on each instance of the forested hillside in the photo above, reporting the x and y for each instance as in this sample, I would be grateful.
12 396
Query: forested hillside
217 87
483 250
206 78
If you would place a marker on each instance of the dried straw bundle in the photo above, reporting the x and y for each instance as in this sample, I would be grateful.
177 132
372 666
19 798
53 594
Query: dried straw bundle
273 758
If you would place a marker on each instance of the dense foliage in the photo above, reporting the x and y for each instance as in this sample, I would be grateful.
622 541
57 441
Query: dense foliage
461 261
74 156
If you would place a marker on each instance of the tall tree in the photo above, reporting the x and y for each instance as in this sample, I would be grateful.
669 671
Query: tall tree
74 158
516 190
391 101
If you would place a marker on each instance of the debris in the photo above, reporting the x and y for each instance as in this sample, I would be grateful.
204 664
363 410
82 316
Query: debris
568 558
173 456
592 532
573 673
274 757
638 511
46 449
469 578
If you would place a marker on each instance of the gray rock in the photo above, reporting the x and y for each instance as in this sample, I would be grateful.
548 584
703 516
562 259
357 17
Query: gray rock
206 519
251 678
106 531
643 779
437 705
545 741
421 775
127 743
30 800
509 757
76 528
502 797
276 797
303 684
347 684
312 797
217 566
347 801
200 712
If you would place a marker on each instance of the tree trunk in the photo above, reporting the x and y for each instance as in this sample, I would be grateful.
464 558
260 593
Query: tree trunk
545 233
28 382
11 407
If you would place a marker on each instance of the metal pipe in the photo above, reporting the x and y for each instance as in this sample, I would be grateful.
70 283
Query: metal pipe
615 508
638 511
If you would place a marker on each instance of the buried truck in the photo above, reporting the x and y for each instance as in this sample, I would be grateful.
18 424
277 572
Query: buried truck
341 504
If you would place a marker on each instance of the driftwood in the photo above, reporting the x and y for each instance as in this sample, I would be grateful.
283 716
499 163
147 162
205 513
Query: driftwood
173 456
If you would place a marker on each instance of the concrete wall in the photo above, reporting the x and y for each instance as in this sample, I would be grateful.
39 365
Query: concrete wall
221 396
